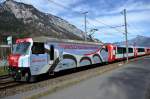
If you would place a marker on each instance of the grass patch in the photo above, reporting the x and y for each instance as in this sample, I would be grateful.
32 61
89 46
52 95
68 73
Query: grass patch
3 71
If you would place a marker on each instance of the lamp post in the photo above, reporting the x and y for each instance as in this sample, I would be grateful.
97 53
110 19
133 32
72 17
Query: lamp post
126 33
85 25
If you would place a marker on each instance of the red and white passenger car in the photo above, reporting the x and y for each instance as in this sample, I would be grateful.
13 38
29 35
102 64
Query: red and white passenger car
35 56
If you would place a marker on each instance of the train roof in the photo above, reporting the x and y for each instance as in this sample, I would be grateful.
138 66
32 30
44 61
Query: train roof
48 39
131 46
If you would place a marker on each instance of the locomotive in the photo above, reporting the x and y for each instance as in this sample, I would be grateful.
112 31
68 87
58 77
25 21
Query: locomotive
42 55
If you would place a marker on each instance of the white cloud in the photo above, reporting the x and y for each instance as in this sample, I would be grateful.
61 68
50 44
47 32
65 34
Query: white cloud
77 21
131 6
132 17
81 8
136 18
139 16
1 1
113 17
50 6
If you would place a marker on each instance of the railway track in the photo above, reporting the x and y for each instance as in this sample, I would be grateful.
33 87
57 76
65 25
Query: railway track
7 82
4 77
12 88
9 87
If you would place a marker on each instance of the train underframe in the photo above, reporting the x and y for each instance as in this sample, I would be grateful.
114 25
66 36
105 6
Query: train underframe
21 74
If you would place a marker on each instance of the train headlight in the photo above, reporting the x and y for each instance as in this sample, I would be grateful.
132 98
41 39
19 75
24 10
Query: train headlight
19 71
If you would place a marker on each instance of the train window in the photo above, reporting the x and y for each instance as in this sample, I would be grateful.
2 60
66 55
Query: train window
141 50
130 50
124 50
119 50
38 48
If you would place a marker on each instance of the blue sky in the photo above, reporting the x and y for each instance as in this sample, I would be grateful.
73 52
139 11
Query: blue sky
101 11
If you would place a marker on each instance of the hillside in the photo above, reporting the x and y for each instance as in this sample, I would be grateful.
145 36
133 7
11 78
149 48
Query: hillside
138 41
22 20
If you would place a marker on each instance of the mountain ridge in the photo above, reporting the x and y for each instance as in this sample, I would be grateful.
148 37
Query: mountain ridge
142 41
26 21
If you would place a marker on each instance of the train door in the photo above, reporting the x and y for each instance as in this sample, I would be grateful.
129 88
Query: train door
39 58
111 52
104 54
145 51
51 54
135 52
148 51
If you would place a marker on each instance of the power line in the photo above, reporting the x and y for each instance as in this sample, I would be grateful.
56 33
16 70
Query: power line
85 21
67 8
109 25
79 13
70 9
117 26
126 33
102 31
134 28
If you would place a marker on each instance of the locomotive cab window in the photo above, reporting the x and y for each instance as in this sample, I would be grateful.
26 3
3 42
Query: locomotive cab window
38 48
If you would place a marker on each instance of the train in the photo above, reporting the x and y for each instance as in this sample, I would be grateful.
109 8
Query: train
32 57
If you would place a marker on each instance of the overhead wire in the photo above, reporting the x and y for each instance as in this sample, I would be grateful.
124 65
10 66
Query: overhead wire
67 8
77 12
109 25
102 31
133 28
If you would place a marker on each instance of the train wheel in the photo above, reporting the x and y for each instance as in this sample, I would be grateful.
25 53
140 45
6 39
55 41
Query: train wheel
27 77
17 76
32 79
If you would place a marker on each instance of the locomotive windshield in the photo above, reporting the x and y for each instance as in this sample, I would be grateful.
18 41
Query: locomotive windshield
21 48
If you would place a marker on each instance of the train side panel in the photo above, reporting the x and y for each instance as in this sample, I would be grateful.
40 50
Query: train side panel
148 51
141 51
71 55
31 58
122 54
